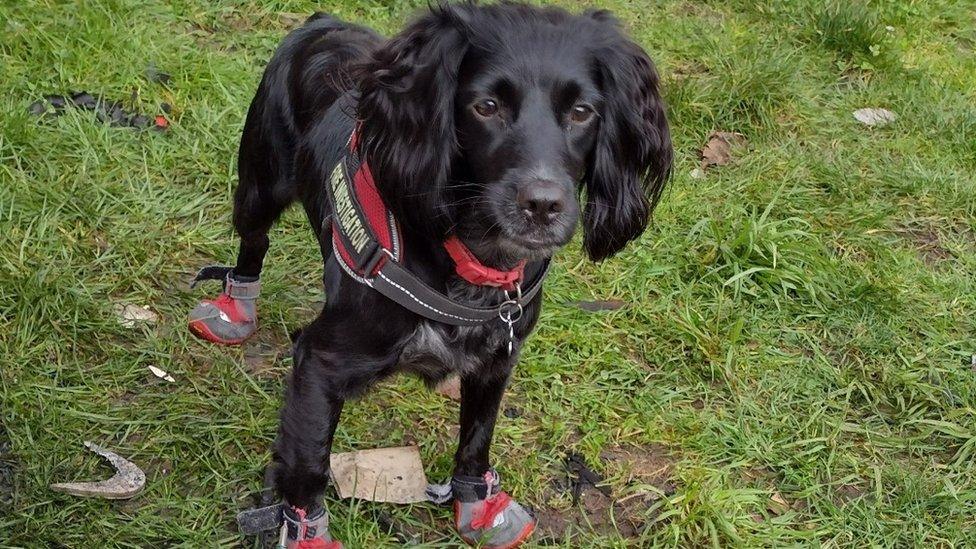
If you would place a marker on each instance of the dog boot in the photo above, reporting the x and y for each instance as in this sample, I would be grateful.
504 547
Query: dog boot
301 530
232 316
487 517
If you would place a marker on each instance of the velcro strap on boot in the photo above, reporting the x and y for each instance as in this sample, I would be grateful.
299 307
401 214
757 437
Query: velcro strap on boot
470 489
299 527
255 521
242 290
211 272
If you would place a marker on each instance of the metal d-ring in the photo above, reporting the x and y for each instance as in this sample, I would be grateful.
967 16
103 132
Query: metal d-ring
510 311
507 307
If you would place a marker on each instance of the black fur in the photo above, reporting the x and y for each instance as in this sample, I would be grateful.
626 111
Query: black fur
578 112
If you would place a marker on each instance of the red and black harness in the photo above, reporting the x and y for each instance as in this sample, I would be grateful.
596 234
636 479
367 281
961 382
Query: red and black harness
367 241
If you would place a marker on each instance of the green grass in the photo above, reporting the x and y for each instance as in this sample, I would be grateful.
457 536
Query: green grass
799 323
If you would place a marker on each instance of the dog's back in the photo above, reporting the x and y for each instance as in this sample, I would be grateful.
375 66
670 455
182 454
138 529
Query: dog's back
305 78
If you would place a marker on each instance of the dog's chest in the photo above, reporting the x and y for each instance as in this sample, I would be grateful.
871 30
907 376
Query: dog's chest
435 349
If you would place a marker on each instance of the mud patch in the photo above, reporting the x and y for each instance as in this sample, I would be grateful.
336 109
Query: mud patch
597 505
650 464
926 241
846 493
264 353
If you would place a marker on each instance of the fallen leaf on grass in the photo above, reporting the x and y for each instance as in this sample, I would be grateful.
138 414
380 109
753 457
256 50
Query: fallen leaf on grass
875 117
718 150
161 374
130 314
393 475
581 476
292 20
127 481
777 504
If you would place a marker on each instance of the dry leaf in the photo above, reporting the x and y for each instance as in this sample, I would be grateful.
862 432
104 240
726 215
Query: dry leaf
777 504
698 173
130 314
394 475
127 481
450 387
718 149
161 374
875 117
292 20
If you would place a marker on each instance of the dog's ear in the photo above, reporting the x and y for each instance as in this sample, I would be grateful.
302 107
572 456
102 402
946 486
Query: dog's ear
406 115
631 160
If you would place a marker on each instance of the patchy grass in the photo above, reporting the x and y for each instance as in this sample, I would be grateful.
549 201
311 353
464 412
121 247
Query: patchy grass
791 365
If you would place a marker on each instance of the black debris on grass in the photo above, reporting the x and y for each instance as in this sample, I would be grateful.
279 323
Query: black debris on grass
581 477
106 111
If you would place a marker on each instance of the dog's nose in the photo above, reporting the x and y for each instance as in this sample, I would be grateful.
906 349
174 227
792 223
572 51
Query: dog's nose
541 200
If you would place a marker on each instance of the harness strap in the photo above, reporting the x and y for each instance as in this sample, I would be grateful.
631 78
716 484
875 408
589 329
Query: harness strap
402 286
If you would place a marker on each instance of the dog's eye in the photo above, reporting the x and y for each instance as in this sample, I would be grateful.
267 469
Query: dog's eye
581 114
486 108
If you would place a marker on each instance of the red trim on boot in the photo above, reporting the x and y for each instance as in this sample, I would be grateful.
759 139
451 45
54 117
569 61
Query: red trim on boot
485 517
227 305
318 543
523 535
202 331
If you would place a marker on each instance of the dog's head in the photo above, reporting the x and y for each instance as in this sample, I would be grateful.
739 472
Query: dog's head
491 121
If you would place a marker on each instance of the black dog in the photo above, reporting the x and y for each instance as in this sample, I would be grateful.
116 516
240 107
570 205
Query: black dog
486 123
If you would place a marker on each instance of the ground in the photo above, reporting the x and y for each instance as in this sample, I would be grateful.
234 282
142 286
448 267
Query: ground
786 358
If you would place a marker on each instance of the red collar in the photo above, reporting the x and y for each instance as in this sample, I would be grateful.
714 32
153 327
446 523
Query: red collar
469 268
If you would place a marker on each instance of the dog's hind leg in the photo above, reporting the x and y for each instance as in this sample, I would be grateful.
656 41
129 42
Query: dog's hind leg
264 191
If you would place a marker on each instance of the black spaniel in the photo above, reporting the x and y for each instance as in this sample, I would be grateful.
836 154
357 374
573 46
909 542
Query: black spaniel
479 126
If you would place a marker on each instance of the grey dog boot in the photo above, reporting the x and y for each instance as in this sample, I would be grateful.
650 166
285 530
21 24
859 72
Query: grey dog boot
231 317
306 530
486 516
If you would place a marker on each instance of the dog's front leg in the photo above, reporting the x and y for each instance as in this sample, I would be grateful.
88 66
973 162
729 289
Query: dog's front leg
483 514
308 422
322 378
481 395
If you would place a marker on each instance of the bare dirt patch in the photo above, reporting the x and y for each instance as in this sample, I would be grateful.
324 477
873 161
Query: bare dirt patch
846 493
650 464
926 241
263 354
643 473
